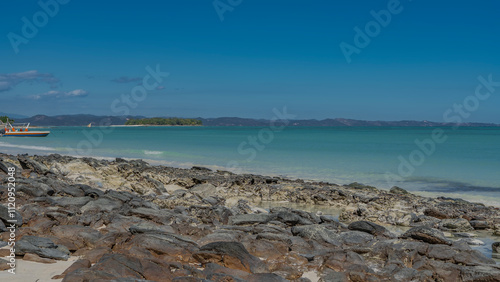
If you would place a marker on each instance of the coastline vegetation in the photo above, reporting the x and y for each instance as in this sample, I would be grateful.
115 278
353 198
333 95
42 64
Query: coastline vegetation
164 121
5 118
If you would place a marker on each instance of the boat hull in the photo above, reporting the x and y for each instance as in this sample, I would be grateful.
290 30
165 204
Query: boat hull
26 134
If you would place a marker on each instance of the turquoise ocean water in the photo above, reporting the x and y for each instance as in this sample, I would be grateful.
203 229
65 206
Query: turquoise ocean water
466 165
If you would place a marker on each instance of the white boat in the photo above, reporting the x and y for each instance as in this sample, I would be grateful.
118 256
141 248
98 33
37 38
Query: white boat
19 130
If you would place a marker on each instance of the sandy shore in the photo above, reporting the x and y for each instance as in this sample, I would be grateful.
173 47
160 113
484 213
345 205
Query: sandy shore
27 271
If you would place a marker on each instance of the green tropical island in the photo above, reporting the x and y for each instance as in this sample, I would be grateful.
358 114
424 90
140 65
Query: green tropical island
164 121
5 119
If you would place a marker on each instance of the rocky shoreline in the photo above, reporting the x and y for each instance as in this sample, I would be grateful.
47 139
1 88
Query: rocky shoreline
128 220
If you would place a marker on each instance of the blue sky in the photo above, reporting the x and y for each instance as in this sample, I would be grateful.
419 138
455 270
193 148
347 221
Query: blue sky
263 55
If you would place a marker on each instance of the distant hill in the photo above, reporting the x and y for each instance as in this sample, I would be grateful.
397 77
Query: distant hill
13 116
83 120
233 121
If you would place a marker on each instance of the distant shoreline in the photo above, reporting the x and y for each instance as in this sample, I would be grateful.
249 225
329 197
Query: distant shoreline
146 125
75 120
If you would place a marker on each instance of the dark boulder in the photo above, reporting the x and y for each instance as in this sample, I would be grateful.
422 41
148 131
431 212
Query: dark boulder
435 213
75 237
317 232
371 228
5 215
455 225
358 238
124 266
479 224
43 247
28 163
86 274
231 255
426 234
495 247
148 227
399 191
246 219
81 263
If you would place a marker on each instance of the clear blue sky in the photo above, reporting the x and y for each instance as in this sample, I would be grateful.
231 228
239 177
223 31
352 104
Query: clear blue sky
264 54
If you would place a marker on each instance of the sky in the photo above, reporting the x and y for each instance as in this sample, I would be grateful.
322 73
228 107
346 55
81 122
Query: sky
245 58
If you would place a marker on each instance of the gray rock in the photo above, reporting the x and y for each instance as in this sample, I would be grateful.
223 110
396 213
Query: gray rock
435 213
160 216
472 242
86 274
455 225
5 216
102 204
35 189
457 255
268 277
495 247
204 190
314 219
76 235
4 166
127 266
73 190
43 247
290 219
148 227
70 201
371 228
355 238
479 224
39 241
275 237
230 254
118 195
399 191
425 220
172 188
91 192
426 234
464 235
29 163
480 273
3 228
245 219
317 232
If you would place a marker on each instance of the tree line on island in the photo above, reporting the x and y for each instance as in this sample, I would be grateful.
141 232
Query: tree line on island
5 119
164 121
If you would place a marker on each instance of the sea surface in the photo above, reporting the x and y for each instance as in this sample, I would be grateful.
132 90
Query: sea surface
463 162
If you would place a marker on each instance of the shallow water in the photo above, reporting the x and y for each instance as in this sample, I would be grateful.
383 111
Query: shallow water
465 165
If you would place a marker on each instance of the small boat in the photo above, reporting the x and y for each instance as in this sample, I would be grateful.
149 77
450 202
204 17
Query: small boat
19 130
90 125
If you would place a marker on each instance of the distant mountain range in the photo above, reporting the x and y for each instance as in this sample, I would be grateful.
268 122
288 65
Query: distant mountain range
75 120
83 120
14 116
